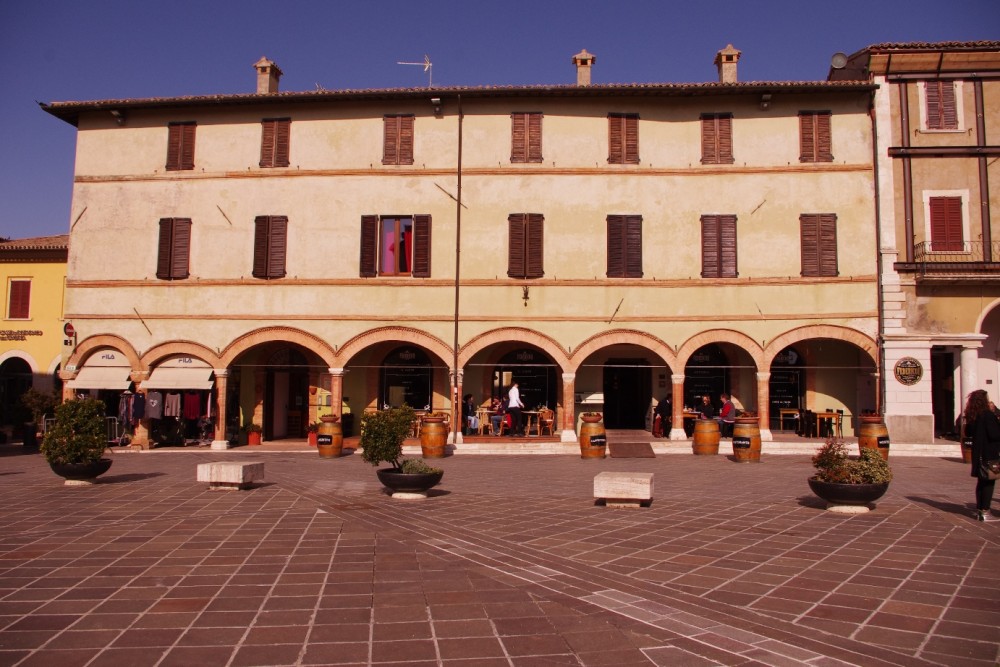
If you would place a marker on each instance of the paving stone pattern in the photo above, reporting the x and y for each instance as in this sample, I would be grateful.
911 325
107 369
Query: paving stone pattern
509 562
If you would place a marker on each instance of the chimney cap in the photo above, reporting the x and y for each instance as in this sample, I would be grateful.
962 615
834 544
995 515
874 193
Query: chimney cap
266 63
733 53
584 58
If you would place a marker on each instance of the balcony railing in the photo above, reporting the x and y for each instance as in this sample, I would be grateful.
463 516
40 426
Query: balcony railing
954 259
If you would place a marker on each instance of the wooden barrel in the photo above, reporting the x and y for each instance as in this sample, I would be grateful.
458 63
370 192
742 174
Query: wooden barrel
967 449
706 437
593 440
433 436
746 441
329 438
874 435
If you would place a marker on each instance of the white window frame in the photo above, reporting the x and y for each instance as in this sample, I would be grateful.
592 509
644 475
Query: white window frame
930 194
959 110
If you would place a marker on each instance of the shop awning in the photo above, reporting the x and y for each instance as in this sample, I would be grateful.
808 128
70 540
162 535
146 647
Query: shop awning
102 377
179 378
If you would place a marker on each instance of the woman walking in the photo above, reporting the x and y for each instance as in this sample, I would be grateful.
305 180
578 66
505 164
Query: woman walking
984 426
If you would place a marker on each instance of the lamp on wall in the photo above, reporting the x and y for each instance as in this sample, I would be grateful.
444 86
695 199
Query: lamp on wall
524 295
119 116
765 101
436 103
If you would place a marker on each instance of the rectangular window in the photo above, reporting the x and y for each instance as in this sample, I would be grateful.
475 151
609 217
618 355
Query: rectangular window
524 251
396 246
180 146
275 135
946 224
526 137
398 139
718 246
270 243
19 299
624 246
623 138
815 142
172 259
819 244
942 105
717 138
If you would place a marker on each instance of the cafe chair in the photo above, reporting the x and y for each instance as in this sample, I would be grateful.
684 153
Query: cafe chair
546 420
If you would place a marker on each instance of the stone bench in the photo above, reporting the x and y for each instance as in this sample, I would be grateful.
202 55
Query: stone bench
624 489
230 475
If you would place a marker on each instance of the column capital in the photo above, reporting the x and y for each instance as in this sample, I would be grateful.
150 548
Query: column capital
764 376
677 377
568 377
335 371
221 372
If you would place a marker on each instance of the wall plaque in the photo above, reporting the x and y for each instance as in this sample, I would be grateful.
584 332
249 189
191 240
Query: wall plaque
908 371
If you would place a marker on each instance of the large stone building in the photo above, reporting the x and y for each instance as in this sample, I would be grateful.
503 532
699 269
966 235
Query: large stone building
291 254
937 111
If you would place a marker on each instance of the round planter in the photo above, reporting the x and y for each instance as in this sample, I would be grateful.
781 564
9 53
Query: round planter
847 494
706 437
84 473
402 482
329 438
746 440
591 419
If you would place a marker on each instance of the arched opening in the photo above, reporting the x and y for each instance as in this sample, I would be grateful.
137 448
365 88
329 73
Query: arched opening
406 376
535 375
15 379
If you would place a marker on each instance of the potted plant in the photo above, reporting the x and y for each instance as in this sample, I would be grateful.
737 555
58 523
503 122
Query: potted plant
253 432
38 403
311 431
382 435
591 417
841 480
593 438
74 446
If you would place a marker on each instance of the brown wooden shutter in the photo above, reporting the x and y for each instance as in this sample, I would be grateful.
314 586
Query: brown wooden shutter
270 246
819 244
516 244
534 137
390 140
260 246
405 140
19 305
275 142
727 242
828 244
534 267
180 146
623 138
624 246
518 137
173 256
616 246
946 224
942 106
809 236
163 259
369 246
631 131
824 137
815 141
725 138
421 246
718 246
717 139
633 246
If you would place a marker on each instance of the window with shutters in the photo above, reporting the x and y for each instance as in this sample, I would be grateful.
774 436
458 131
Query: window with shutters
396 246
624 246
941 105
180 146
524 250
398 139
270 245
623 138
718 246
815 141
275 135
717 138
172 259
946 224
18 299
526 137
819 244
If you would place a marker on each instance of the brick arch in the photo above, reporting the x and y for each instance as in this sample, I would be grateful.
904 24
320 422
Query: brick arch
23 356
398 334
623 337
275 334
177 348
740 340
507 334
92 344
860 340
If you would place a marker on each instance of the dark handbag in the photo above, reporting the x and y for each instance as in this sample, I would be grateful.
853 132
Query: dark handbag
989 469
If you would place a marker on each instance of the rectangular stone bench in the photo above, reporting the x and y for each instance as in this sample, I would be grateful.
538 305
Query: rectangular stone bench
230 475
624 489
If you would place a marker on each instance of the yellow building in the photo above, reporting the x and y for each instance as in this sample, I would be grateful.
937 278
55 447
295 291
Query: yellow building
33 276
283 255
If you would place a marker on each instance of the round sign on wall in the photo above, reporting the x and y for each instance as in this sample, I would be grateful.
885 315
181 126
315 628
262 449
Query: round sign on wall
908 371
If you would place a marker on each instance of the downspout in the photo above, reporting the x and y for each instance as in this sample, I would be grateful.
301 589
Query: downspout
880 337
984 174
456 399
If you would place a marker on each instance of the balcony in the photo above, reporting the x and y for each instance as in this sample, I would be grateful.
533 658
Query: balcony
953 262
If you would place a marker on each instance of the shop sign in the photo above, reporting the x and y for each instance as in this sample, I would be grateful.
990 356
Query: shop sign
18 334
908 371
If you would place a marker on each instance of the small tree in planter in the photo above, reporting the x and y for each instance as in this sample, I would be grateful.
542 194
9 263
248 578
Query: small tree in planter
38 403
841 480
382 436
253 432
74 446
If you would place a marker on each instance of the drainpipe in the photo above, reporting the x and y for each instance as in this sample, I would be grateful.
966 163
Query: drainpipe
880 337
456 398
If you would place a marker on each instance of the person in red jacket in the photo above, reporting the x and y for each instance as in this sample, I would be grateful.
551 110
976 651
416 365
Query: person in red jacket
727 416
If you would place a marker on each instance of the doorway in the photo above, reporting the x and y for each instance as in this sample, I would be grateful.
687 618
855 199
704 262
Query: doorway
628 393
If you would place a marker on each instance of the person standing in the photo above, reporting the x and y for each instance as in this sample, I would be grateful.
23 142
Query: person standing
727 415
514 406
984 426
662 417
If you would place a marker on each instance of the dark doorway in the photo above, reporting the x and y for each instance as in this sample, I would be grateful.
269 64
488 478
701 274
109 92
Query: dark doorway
286 395
15 379
943 390
627 393
406 377
706 374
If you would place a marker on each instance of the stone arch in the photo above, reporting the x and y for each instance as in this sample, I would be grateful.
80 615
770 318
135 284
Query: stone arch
92 344
273 334
386 334
984 313
740 340
177 348
23 356
507 334
620 337
865 343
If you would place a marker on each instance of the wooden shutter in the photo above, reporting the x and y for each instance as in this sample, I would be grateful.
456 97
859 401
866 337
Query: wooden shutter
19 305
946 224
616 152
525 137
942 105
633 246
534 249
369 246
270 246
398 140
275 142
819 244
717 139
718 246
624 246
623 138
815 141
534 137
172 261
616 246
727 242
421 246
163 259
516 244
180 146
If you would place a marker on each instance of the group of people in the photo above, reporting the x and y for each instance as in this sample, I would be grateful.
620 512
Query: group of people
726 415
506 409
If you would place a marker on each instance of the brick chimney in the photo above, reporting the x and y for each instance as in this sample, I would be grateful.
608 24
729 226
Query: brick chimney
726 60
583 62
267 76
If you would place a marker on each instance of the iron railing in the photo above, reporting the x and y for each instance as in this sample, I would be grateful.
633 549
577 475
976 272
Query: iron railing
952 252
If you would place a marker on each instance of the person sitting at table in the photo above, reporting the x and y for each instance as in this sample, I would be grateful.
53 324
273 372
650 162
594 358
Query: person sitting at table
662 416
498 408
727 416
707 410
469 418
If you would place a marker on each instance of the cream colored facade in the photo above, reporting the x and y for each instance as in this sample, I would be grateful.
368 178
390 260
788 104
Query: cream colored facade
940 292
325 339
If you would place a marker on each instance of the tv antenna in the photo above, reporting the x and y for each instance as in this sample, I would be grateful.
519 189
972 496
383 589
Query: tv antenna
427 68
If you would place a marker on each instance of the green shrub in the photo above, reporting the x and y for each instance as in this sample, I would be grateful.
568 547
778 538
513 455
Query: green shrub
382 435
834 465
38 403
79 434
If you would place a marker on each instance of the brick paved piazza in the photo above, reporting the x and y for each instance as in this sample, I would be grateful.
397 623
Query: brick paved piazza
510 562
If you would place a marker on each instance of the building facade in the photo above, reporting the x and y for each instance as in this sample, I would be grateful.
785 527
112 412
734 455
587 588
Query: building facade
287 255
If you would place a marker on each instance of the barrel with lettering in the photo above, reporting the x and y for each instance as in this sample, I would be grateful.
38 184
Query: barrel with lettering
593 440
746 440
329 437
967 449
706 437
874 435
433 436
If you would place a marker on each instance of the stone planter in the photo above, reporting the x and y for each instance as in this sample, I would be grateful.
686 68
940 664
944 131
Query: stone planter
408 483
80 474
860 495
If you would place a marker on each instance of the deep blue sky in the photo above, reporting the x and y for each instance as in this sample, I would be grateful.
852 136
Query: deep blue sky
59 50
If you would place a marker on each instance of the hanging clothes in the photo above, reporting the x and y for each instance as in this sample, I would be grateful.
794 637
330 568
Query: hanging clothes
154 405
172 405
192 405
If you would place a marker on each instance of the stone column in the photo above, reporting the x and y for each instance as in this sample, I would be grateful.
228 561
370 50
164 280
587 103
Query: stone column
336 390
221 393
969 358
567 419
141 435
259 387
764 405
67 392
677 406
456 378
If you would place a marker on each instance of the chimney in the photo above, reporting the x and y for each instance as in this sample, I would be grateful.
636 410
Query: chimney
726 60
267 76
583 62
